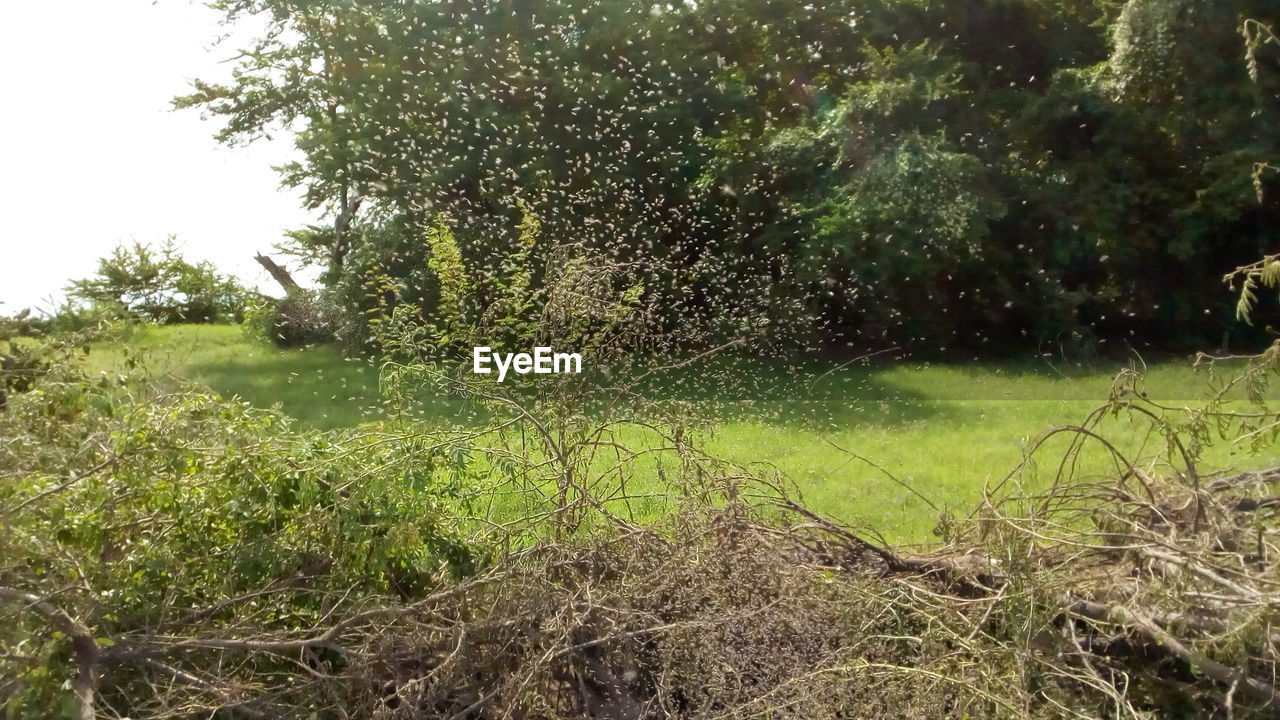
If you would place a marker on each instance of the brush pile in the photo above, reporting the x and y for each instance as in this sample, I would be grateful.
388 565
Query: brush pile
167 554
1141 598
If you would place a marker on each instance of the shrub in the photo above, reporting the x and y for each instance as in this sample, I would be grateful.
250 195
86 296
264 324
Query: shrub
28 353
73 317
168 554
23 324
144 511
19 366
299 319
158 285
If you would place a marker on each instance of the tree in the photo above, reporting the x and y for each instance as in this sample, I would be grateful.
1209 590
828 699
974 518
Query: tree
735 144
158 285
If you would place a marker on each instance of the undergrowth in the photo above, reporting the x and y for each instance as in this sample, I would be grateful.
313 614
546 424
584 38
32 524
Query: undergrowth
171 554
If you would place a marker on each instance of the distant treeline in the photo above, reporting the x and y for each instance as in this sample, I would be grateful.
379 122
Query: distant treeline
986 176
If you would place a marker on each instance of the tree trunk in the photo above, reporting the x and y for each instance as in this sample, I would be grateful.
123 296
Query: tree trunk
281 275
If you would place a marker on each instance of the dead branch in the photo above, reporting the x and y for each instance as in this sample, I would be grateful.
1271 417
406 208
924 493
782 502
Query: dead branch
278 273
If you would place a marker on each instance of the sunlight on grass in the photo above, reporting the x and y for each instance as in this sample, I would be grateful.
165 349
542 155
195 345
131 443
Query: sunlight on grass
944 431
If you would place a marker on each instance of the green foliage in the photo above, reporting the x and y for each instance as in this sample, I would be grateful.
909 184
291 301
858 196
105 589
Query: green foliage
759 152
909 218
1253 277
158 285
32 352
19 368
24 323
187 537
301 318
946 429
453 287
1149 38
147 511
514 309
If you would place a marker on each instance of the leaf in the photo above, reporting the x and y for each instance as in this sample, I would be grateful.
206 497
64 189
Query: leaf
1248 300
1271 274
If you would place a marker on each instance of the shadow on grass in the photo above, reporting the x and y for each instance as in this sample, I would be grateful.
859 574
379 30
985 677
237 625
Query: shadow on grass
804 396
323 389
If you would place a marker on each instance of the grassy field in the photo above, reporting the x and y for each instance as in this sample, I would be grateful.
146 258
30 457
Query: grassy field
837 433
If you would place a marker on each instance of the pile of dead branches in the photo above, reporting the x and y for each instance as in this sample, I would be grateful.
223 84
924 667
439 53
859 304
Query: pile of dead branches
1137 598
1146 591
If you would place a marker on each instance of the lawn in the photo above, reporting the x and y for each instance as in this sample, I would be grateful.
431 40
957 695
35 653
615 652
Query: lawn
837 433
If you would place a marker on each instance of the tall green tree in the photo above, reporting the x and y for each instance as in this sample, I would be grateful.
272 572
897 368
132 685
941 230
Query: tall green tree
986 174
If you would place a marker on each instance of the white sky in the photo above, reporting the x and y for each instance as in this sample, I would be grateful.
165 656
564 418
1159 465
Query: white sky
91 155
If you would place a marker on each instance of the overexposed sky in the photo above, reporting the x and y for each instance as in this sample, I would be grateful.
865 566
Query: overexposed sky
93 156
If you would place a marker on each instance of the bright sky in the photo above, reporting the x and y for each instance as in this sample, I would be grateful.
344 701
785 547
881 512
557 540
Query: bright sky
92 155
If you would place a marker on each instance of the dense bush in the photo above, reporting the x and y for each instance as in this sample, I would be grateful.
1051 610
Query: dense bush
873 172
168 554
23 323
28 351
19 368
158 285
146 511
299 319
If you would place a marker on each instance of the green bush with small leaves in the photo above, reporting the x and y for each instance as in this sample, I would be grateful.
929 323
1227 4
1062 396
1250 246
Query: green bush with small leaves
149 511
158 285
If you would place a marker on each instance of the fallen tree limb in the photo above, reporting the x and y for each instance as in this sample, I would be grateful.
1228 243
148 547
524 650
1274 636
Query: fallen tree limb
1173 647
278 273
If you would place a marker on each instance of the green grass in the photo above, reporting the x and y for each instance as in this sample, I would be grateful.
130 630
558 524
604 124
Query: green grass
943 430
317 386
